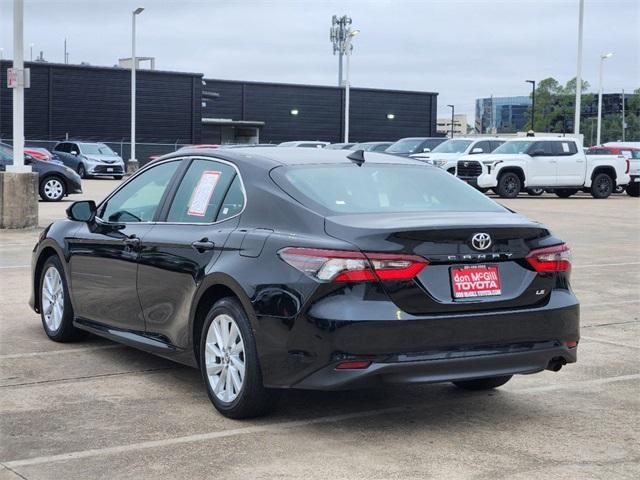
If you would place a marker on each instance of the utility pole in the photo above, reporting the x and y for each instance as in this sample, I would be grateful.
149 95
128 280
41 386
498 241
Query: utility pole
533 101
576 121
66 54
340 28
603 57
347 85
18 89
624 124
133 162
453 109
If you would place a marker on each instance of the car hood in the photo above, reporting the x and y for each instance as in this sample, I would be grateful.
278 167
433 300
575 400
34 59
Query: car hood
437 156
104 158
491 157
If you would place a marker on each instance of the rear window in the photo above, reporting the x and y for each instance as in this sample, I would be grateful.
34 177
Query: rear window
380 188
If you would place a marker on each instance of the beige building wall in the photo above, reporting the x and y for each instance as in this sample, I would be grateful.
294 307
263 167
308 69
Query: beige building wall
443 125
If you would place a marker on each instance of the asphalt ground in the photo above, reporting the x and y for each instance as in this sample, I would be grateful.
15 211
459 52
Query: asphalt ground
96 409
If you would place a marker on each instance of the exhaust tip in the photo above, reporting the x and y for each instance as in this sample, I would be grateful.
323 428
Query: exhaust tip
556 364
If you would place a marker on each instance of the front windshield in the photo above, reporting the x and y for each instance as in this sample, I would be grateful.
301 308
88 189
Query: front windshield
452 146
408 145
96 149
515 147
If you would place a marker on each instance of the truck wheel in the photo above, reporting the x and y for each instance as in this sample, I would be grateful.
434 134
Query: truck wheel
602 186
535 192
509 185
633 189
565 192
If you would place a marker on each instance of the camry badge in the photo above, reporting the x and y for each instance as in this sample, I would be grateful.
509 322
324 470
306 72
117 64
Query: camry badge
481 241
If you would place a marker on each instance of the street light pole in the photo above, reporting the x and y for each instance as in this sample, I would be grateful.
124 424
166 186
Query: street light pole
347 85
533 101
31 52
133 162
624 124
453 109
576 119
599 127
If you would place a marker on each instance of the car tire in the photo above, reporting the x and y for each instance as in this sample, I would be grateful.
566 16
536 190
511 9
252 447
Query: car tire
81 171
602 186
482 383
117 177
565 192
633 189
509 185
56 311
229 363
535 192
52 188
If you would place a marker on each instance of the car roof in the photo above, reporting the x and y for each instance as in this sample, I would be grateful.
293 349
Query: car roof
269 158
529 139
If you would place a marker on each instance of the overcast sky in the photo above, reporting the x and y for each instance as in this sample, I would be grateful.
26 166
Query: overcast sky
461 49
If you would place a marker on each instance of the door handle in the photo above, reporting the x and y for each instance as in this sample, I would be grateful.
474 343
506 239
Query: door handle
203 245
132 241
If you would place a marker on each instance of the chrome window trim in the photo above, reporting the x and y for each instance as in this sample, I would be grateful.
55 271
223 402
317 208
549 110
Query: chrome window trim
188 157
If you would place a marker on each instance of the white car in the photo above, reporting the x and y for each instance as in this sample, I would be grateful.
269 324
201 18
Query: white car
447 154
305 144
555 164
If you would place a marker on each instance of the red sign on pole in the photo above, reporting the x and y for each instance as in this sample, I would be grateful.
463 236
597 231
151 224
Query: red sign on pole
12 78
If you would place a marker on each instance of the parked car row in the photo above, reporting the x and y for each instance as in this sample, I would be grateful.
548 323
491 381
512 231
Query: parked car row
552 164
55 180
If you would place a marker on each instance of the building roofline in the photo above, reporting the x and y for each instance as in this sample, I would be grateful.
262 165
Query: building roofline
75 66
328 87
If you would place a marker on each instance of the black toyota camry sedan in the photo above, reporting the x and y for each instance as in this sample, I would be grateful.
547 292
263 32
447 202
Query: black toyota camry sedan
308 268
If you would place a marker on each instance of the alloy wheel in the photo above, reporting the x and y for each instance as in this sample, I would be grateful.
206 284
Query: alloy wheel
603 185
52 300
225 358
53 189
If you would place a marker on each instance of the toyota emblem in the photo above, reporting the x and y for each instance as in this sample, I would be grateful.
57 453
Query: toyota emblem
481 241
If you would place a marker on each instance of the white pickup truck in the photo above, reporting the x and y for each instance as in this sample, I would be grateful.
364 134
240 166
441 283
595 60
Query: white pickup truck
556 164
447 154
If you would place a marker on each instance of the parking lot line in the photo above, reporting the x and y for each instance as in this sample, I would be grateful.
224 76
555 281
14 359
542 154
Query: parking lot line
15 266
279 426
58 352
609 342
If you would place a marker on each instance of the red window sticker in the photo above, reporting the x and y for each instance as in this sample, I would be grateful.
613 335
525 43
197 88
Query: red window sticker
202 194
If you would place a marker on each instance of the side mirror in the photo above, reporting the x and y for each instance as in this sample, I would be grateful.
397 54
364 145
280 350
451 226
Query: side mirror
74 152
28 159
427 149
477 150
537 153
82 211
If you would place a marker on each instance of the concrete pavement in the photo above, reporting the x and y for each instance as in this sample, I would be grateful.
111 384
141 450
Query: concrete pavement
96 409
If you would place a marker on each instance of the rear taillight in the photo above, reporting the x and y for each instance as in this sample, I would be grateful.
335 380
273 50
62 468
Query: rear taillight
346 266
551 259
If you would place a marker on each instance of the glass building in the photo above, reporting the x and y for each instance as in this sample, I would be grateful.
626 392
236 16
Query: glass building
502 114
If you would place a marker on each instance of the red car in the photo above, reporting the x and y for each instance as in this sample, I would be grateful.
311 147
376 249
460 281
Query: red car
632 154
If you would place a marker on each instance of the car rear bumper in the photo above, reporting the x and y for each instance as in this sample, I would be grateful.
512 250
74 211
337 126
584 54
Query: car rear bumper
430 348
446 366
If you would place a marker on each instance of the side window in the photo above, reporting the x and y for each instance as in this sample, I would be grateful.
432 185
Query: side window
563 149
485 145
544 149
140 198
233 202
74 147
495 144
62 147
200 195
